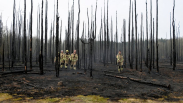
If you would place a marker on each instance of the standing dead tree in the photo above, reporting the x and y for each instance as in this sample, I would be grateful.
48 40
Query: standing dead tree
174 45
107 32
129 34
111 55
25 55
132 45
141 51
57 34
136 37
170 41
147 49
92 37
46 26
124 33
150 66
13 41
73 27
78 33
157 65
153 46
31 35
41 57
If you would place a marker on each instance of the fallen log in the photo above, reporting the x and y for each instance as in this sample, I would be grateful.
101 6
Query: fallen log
141 81
29 84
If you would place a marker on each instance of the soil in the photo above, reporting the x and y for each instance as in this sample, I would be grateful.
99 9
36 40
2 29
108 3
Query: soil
74 83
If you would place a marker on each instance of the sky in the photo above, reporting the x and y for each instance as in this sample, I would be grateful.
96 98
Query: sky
119 6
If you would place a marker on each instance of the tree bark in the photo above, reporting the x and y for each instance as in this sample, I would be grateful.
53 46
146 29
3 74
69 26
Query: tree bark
136 37
129 34
57 34
31 35
157 58
25 50
124 32
147 36
174 45
46 26
41 64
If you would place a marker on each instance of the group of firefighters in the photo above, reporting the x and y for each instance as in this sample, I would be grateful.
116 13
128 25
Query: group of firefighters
66 58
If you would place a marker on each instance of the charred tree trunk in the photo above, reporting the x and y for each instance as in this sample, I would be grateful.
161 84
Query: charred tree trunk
78 63
136 37
129 34
141 43
124 32
46 26
153 45
111 56
107 32
174 45
57 34
73 28
101 37
170 41
116 35
132 45
104 55
41 57
25 50
150 66
3 57
157 58
13 41
147 58
31 35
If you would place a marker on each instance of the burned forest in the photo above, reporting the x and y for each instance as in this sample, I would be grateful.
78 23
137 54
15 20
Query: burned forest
91 51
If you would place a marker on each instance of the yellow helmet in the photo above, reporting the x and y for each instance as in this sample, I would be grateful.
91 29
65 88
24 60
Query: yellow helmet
67 51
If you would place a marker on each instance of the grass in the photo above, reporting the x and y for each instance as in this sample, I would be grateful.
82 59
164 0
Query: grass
5 96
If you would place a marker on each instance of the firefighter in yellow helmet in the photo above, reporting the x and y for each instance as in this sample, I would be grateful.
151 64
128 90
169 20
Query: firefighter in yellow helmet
66 58
62 59
119 61
74 59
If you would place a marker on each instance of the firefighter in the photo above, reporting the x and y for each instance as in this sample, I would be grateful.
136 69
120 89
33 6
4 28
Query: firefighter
119 61
66 58
74 59
62 59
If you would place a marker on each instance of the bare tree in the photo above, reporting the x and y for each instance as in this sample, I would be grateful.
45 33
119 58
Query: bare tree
174 45
141 43
13 41
132 45
124 33
150 66
136 37
41 64
157 36
170 42
57 34
78 34
25 55
147 36
153 46
46 26
129 34
31 35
